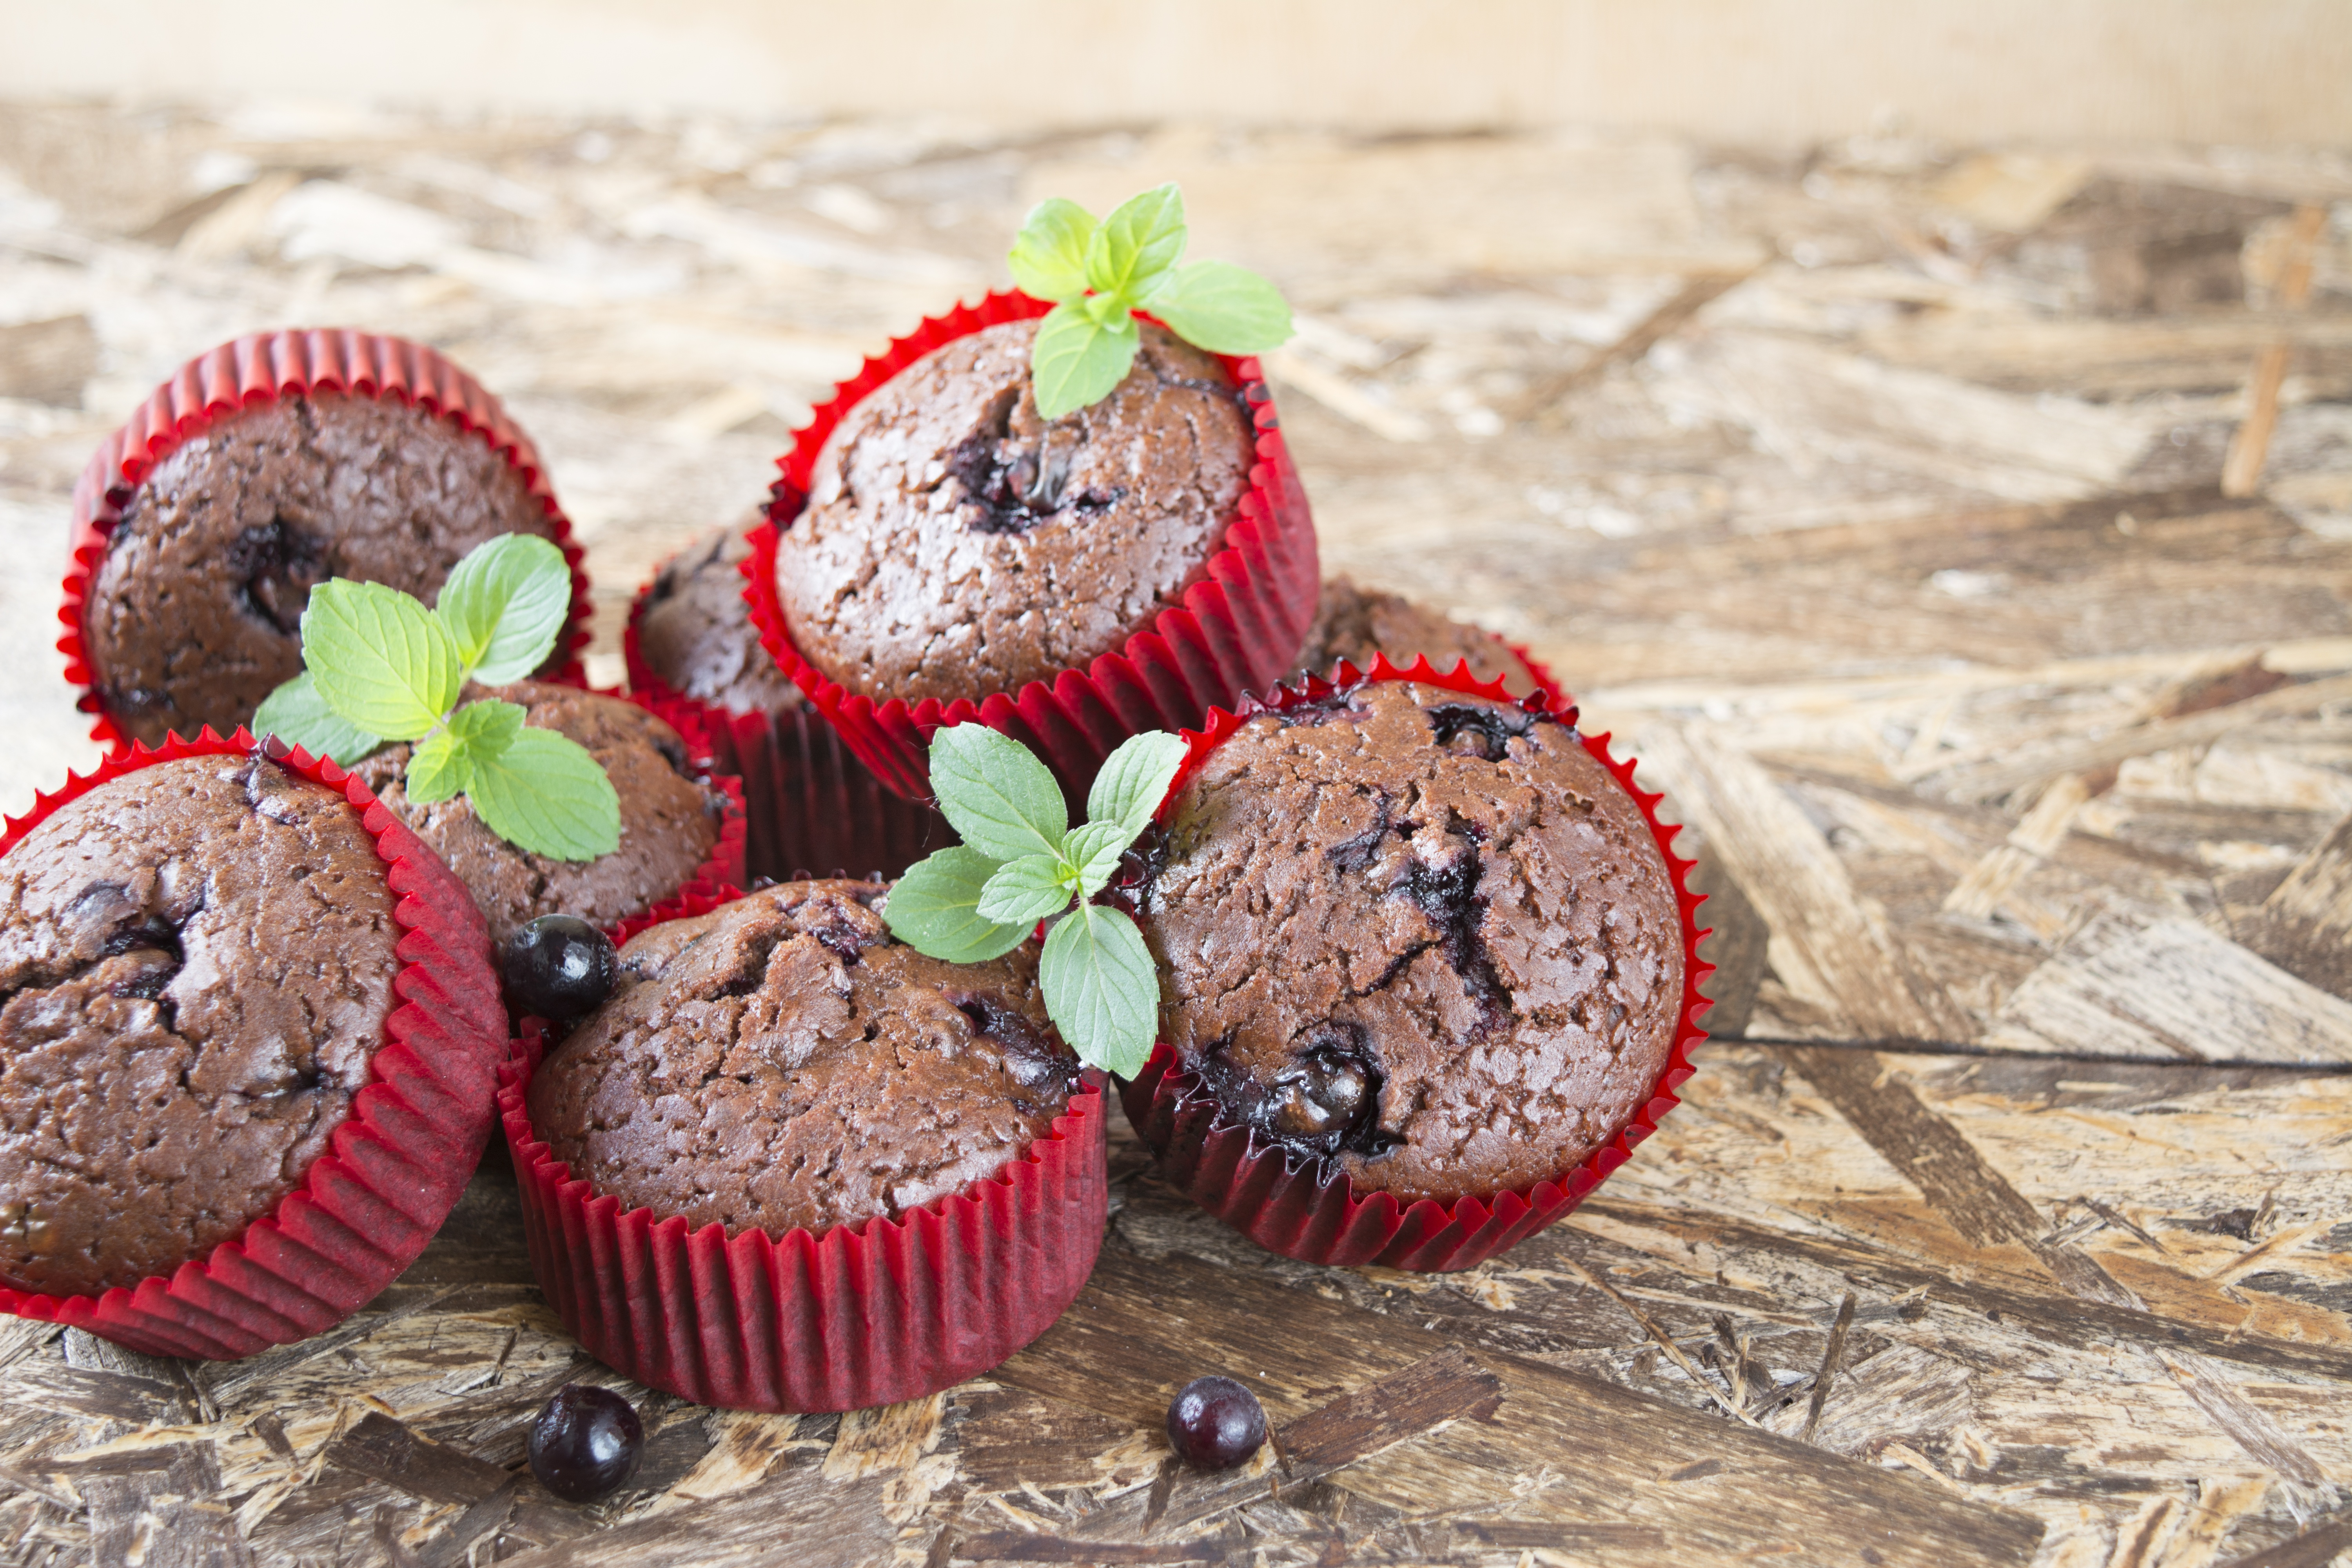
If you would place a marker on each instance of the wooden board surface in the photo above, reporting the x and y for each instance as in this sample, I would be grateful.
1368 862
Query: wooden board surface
1963 541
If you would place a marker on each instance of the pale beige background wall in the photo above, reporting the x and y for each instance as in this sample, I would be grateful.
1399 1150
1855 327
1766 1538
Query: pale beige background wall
2248 71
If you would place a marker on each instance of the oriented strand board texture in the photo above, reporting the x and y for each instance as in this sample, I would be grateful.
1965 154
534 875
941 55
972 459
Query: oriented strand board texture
1963 540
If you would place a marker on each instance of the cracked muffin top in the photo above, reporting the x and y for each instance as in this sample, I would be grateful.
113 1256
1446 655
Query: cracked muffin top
696 632
782 1061
1421 935
955 545
197 961
670 820
194 613
1353 624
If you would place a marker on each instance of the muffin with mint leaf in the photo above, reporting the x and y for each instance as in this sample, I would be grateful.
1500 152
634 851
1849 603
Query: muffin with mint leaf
1066 512
543 799
869 1099
260 469
795 1163
784 1063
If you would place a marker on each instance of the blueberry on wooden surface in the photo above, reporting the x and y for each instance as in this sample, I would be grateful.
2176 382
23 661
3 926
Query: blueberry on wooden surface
586 1441
1214 1423
559 966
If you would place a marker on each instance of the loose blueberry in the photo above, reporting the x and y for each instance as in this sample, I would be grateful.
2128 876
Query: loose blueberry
585 1442
1214 1424
559 966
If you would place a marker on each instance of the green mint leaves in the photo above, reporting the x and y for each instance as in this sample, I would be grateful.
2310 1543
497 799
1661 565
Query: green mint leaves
1100 274
381 666
297 715
544 793
998 797
1021 863
504 604
379 659
935 908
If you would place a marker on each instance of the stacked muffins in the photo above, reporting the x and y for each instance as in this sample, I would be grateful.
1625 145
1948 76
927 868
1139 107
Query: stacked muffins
1404 963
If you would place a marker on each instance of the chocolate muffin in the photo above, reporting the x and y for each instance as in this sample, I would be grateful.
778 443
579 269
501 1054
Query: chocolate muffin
1421 935
669 819
694 632
194 613
954 545
198 961
1353 624
784 1062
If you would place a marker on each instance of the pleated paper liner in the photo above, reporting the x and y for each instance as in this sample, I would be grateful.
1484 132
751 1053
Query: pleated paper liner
1237 629
390 1173
1307 1208
812 807
852 1316
1538 672
262 368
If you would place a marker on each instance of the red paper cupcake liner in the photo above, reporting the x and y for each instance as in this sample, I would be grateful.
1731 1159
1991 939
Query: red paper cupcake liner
842 1319
392 1171
814 808
1546 682
263 368
1308 1209
1238 628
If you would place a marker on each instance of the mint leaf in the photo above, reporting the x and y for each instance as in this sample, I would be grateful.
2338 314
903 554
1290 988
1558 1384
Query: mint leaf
1094 850
1076 360
1134 780
298 716
1224 309
444 763
488 727
1101 989
1140 241
504 605
438 769
1026 890
998 797
544 793
933 909
379 659
1049 254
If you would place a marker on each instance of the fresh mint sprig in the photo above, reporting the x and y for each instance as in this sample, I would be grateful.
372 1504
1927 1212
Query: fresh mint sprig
1100 274
379 667
1022 862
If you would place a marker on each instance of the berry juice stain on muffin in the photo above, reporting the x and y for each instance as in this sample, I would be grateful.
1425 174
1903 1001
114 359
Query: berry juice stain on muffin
193 614
783 1062
1422 935
669 820
956 544
197 961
